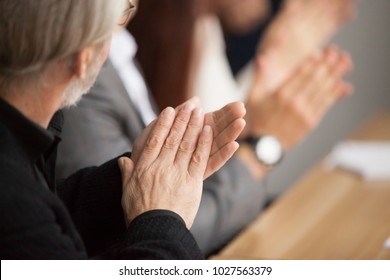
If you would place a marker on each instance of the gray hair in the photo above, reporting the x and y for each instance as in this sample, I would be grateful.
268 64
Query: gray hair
34 33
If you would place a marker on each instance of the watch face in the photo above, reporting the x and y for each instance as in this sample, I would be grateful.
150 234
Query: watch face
269 150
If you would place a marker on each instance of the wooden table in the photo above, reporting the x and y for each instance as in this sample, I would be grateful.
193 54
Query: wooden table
327 215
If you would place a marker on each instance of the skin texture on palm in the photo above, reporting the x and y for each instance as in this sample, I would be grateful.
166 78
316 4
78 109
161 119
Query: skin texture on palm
301 28
299 104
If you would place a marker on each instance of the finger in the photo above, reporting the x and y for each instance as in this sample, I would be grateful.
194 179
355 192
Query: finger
340 89
190 139
141 139
228 135
179 127
157 137
336 60
327 89
321 79
317 78
295 84
222 119
200 157
345 65
336 89
218 159
194 100
219 120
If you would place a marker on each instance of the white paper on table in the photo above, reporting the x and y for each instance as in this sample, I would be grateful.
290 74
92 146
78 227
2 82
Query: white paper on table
387 243
369 159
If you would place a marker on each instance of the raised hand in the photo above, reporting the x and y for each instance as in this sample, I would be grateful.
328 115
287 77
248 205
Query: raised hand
226 123
169 171
298 106
301 28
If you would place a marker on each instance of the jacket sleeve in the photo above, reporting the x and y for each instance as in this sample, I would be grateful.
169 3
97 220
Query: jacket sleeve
93 198
158 234
231 199
35 224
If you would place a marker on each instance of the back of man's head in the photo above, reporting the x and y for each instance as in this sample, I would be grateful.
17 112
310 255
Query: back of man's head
36 32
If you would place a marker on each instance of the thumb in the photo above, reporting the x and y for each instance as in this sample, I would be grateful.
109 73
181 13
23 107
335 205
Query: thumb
126 167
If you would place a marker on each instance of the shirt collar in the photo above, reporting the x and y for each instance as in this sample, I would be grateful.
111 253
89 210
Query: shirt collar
34 139
123 48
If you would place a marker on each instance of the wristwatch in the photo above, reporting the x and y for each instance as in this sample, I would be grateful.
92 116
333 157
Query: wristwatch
267 149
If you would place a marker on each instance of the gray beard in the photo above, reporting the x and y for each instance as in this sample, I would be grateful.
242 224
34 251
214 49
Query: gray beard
77 88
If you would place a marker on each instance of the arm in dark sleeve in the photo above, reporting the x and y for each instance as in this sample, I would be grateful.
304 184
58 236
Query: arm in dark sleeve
35 224
93 197
231 199
159 234
42 229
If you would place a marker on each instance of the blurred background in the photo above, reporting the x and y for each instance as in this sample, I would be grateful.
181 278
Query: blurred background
367 38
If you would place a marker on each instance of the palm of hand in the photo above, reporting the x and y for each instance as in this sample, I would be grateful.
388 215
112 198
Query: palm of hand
295 108
301 28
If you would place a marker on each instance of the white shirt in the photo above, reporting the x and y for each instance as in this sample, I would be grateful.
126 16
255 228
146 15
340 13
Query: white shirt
122 55
215 83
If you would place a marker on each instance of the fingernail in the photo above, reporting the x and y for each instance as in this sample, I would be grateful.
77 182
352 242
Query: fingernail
168 111
198 113
188 107
195 100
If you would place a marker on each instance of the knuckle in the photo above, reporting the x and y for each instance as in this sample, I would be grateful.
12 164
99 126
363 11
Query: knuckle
172 141
153 142
182 119
197 159
204 142
187 146
192 125
161 169
163 125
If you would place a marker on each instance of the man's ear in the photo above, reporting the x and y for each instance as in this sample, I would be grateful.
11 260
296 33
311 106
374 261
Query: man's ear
83 60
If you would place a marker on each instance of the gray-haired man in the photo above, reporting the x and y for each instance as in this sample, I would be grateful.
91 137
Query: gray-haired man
50 54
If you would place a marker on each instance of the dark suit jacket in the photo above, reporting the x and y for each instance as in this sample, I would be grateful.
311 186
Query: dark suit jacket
105 123
80 218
